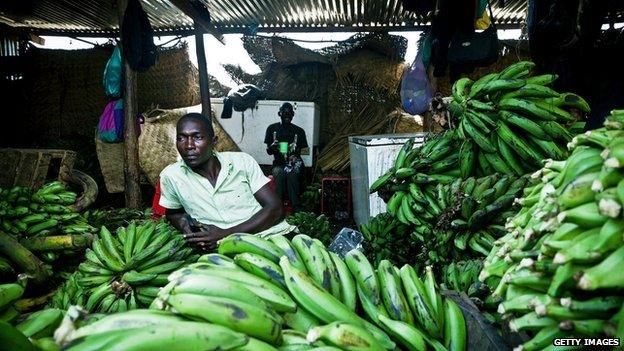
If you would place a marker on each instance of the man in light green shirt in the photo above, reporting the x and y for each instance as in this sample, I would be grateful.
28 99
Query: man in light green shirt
210 195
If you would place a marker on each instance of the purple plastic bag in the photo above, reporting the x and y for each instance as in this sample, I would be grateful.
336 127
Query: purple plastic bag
111 126
416 92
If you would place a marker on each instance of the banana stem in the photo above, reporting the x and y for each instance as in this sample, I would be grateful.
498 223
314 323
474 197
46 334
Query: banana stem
25 259
26 305
58 243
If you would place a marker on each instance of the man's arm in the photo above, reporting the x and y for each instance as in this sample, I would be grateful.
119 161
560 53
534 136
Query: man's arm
179 219
268 216
270 143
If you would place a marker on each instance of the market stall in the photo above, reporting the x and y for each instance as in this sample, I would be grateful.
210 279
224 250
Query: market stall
462 201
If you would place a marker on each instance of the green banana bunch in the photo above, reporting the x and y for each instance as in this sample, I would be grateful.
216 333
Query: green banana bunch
70 293
41 324
553 273
9 294
316 226
47 211
505 122
313 292
115 217
450 222
124 270
311 197
389 239
462 275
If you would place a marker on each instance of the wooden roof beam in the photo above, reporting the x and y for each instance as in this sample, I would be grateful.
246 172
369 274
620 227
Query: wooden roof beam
197 11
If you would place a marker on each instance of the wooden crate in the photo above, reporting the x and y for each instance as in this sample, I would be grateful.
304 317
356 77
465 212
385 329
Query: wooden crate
34 167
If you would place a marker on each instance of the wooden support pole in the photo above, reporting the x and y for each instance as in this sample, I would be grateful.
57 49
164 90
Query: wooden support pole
204 85
200 15
131 145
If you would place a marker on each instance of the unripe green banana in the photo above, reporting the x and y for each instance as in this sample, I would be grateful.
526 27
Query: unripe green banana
236 315
239 243
41 324
218 260
270 293
364 274
176 336
392 294
601 276
9 293
347 283
454 327
261 267
345 335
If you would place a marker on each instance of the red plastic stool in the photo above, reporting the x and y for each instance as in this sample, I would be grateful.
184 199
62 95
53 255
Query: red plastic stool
285 202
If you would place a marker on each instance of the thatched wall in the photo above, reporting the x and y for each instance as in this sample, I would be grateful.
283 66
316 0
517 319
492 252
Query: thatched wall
64 96
59 101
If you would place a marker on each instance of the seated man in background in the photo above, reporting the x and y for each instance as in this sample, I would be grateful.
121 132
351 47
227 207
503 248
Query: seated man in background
287 163
209 195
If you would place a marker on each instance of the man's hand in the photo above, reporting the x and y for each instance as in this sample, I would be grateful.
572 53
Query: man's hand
207 238
189 224
274 145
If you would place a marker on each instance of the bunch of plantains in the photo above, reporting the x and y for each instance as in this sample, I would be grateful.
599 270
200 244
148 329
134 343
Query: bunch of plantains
316 226
505 122
9 294
68 294
556 272
389 239
125 270
47 211
462 275
296 295
456 221
115 217
510 121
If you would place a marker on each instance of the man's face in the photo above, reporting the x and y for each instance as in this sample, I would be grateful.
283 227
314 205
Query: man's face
193 143
286 115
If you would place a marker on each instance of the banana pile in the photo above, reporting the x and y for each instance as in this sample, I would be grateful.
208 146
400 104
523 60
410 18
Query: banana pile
509 122
462 276
70 293
389 239
115 217
9 293
143 329
556 272
505 122
311 197
312 224
456 221
125 270
47 211
296 295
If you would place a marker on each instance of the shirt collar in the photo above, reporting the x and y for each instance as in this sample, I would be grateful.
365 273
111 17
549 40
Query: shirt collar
226 166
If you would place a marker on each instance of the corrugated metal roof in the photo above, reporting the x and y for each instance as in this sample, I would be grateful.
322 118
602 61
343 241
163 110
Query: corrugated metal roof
99 17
